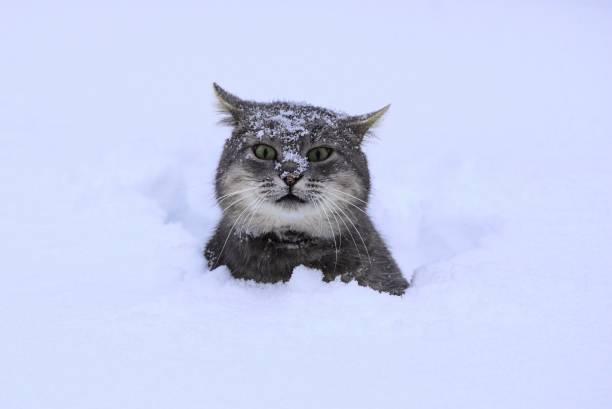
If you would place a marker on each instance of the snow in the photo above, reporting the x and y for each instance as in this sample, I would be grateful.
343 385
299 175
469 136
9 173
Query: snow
291 155
491 175
287 121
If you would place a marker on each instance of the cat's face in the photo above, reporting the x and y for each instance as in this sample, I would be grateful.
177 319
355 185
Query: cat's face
291 168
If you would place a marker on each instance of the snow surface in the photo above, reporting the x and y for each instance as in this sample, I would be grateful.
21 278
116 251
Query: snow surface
491 172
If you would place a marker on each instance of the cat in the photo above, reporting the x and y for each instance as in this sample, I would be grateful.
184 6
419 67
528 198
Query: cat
293 183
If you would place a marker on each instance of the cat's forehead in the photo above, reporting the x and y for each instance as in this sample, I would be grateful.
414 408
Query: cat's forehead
289 122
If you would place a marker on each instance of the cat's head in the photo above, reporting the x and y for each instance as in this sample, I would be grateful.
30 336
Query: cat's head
292 167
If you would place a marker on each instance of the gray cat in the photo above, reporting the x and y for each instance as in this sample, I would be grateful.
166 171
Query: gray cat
293 183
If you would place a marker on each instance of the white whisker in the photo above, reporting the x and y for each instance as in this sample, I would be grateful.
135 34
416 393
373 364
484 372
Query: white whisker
347 227
349 202
357 230
255 210
333 235
225 209
231 230
344 193
316 205
337 223
222 198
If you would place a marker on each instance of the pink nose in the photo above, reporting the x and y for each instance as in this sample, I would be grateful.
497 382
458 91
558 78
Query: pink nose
291 179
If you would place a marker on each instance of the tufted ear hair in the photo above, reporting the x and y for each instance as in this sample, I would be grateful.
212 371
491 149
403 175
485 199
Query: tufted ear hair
361 124
229 104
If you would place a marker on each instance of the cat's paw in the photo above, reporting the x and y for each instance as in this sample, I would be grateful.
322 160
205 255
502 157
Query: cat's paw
398 288
329 277
344 277
211 257
394 285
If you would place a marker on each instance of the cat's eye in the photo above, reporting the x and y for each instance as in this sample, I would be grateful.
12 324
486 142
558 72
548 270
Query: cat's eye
265 152
319 154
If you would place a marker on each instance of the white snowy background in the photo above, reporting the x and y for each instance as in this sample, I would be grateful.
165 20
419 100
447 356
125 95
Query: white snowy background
492 181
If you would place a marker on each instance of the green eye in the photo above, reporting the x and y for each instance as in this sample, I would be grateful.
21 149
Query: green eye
319 154
265 152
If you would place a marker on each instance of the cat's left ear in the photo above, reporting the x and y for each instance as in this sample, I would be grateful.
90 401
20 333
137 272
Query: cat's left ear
361 124
229 104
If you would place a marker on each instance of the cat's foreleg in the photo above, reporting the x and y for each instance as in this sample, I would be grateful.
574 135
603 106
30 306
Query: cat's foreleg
245 259
383 278
379 270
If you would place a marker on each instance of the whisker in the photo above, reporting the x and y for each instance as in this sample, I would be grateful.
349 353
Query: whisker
333 236
347 227
242 199
313 200
344 193
338 224
258 206
222 198
357 230
349 202
230 232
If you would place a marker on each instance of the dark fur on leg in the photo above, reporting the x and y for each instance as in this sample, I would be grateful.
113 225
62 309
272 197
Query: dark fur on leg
268 259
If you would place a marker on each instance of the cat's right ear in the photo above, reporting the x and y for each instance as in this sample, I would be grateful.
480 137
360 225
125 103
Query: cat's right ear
229 104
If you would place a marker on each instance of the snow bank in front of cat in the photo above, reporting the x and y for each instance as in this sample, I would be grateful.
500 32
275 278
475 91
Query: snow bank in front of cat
134 317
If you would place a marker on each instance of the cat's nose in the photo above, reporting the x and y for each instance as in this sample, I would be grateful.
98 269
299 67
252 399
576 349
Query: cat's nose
290 174
290 179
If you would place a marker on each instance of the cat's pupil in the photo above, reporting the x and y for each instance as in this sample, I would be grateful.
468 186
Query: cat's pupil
319 154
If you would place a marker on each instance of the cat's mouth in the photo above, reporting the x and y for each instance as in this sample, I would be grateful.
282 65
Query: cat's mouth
290 198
